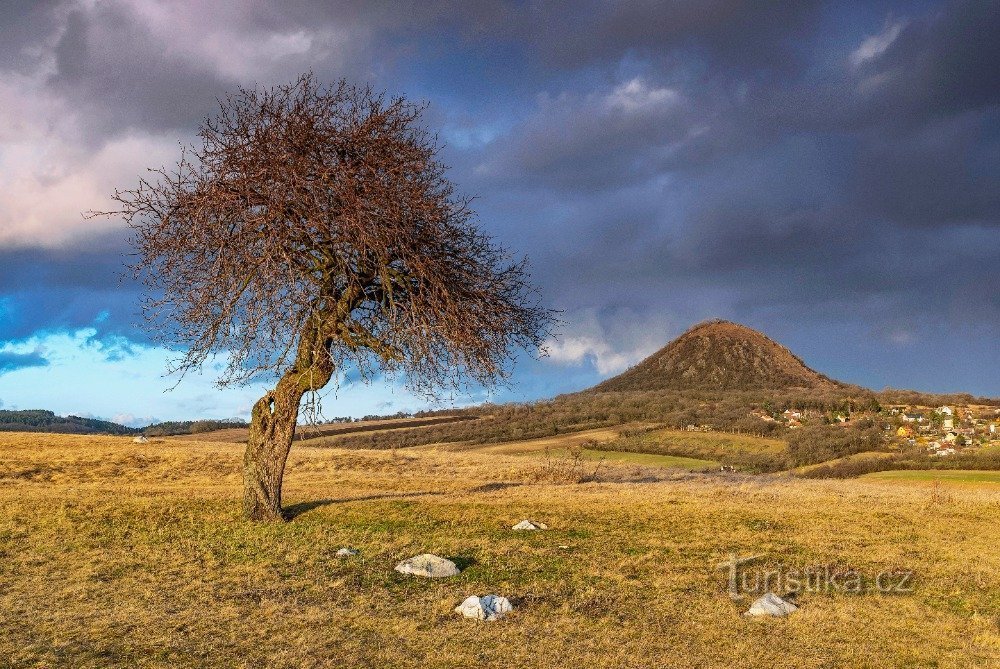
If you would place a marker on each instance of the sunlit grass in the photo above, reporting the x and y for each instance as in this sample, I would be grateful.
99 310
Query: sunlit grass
119 555
945 475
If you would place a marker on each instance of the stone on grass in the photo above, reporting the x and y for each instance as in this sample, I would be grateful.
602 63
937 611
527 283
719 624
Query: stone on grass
428 565
490 607
346 552
141 440
530 525
771 605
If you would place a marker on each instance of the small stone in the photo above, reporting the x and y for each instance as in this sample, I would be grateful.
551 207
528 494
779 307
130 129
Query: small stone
430 566
140 440
530 525
490 607
346 552
771 605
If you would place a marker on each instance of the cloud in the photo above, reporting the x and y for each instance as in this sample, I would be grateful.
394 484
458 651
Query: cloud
131 420
11 361
575 350
727 33
874 46
822 170
610 341
596 140
69 287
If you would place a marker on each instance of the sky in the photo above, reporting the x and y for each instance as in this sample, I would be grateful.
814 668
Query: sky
826 172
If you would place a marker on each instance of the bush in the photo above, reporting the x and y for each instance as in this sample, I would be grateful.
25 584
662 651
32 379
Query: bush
819 443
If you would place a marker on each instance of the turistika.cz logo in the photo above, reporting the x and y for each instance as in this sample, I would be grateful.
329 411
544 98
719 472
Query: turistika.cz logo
747 577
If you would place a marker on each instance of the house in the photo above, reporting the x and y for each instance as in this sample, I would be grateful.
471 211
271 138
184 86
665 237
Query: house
946 411
913 418
904 431
950 437
790 414
948 423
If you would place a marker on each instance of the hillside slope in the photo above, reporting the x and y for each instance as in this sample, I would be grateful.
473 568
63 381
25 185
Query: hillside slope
720 355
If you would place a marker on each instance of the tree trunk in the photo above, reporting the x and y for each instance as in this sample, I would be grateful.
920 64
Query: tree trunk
272 428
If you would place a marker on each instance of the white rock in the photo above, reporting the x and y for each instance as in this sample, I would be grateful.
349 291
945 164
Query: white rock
346 552
140 440
771 605
530 525
490 607
428 565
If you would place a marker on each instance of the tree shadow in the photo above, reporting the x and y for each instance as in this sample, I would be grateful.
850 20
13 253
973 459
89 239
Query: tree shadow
292 511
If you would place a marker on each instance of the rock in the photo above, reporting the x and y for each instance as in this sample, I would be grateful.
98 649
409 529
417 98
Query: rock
428 565
771 605
530 525
140 440
490 607
346 552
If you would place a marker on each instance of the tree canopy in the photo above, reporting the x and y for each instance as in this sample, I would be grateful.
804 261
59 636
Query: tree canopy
321 216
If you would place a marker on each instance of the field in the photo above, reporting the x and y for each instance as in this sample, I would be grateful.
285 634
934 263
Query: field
942 475
575 445
117 554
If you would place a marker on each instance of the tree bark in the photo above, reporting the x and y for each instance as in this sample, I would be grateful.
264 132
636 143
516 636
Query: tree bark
272 428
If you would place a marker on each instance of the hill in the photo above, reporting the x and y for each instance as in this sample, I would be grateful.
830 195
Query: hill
720 355
39 420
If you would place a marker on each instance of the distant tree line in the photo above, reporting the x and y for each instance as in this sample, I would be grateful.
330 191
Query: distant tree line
39 420
169 428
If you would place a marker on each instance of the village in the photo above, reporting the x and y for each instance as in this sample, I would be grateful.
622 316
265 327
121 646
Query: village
946 430
942 431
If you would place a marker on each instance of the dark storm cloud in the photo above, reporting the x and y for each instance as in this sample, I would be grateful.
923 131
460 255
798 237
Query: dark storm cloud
127 76
84 285
26 28
11 362
803 196
809 166
941 63
728 33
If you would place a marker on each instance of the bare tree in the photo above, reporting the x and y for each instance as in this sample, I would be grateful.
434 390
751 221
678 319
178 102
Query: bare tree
312 231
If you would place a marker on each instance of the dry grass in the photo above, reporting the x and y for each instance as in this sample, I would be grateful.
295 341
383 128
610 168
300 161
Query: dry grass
121 555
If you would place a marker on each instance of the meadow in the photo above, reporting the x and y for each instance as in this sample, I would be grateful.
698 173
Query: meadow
117 554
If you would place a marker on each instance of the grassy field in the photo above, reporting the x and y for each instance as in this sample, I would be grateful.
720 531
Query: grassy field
116 554
647 459
746 452
943 475
574 445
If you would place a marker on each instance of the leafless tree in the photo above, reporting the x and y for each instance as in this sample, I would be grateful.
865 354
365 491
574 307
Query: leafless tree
311 231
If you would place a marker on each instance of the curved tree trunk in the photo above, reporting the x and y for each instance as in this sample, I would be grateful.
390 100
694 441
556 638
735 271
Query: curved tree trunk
272 428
